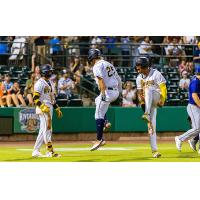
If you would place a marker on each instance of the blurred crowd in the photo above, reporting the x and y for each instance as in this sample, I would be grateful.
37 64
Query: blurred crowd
182 52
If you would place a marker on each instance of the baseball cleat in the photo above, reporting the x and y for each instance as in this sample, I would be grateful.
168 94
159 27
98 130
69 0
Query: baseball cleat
146 117
97 144
192 144
156 154
52 154
178 143
107 126
37 154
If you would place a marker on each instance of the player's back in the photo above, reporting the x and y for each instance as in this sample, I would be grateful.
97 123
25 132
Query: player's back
107 72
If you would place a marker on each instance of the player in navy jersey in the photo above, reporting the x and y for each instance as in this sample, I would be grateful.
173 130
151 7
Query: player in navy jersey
193 110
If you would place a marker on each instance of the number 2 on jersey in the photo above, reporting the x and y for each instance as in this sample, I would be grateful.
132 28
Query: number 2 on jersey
110 71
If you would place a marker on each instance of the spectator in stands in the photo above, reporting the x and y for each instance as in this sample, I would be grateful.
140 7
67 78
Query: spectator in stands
3 50
37 73
55 50
182 67
145 46
72 43
65 86
174 50
184 82
40 49
96 42
196 56
76 69
8 85
17 95
129 95
29 89
54 82
2 95
125 47
110 46
189 41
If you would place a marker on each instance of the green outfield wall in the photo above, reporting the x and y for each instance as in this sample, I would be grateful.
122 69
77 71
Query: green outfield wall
76 120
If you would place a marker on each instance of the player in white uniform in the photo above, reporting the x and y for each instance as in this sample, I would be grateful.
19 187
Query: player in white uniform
44 99
110 87
152 92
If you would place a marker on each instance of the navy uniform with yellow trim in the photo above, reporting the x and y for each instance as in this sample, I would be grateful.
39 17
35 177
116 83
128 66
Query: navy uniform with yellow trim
152 92
44 99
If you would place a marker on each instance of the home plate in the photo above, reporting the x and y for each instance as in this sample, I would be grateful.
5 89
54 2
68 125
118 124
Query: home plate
87 149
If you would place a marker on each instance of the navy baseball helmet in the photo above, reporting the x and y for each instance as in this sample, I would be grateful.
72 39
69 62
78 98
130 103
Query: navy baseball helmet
93 53
46 70
143 62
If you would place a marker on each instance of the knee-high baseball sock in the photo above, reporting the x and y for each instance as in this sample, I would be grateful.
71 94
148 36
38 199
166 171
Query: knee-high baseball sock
196 138
99 128
50 147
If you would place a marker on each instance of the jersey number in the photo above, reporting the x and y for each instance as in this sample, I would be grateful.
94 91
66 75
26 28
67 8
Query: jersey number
110 71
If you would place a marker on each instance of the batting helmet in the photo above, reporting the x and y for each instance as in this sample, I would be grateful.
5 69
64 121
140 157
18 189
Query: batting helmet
46 70
93 53
143 62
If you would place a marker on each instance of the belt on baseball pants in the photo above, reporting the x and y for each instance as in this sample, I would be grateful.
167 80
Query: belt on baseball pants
109 88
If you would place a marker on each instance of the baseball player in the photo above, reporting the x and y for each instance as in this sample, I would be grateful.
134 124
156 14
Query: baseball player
44 99
193 110
110 86
152 92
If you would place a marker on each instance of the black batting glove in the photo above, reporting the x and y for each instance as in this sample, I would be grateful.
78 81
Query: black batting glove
103 97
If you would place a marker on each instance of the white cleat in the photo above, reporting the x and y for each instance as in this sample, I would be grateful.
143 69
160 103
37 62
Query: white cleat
178 143
51 155
156 154
37 154
192 144
97 144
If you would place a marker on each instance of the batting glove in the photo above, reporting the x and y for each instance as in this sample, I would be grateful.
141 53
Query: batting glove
44 108
59 113
103 97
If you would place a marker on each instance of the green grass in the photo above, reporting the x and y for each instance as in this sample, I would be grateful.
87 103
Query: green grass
133 153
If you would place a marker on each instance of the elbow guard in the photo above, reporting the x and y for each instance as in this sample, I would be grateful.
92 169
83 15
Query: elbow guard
163 90
36 99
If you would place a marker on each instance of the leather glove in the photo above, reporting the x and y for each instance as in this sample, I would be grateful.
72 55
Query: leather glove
44 108
59 112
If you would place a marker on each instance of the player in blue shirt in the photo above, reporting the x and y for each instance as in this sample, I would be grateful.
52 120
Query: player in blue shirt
193 110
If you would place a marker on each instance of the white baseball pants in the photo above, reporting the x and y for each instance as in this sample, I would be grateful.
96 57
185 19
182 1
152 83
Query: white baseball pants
102 106
152 97
45 132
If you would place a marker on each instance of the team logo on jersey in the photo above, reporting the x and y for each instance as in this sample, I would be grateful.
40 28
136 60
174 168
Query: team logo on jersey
46 90
29 120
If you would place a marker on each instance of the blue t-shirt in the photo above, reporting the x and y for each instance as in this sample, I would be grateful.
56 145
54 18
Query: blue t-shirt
196 54
194 87
54 43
